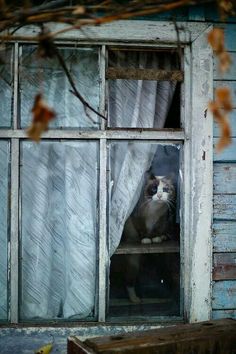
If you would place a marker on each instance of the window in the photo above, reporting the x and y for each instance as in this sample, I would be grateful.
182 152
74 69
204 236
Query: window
83 245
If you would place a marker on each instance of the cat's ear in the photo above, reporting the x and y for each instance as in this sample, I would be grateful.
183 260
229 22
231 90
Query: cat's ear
171 177
152 176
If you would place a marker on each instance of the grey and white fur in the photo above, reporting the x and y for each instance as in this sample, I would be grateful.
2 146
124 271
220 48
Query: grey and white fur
151 222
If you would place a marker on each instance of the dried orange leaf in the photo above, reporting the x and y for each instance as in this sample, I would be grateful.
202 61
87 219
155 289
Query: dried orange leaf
225 136
220 109
42 115
79 10
216 40
223 98
215 109
226 8
224 61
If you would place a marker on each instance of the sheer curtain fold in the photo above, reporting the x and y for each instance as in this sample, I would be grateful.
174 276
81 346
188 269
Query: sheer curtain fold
59 233
4 175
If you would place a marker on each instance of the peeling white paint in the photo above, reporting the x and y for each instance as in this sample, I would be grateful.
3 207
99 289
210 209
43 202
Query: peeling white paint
201 182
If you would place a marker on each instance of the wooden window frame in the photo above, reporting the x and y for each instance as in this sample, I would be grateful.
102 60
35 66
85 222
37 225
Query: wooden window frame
196 137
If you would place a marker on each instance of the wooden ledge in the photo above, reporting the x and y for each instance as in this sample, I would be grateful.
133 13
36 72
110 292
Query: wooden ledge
164 247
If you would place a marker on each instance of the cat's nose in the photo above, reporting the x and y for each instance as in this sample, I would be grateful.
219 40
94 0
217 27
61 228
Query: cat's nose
159 195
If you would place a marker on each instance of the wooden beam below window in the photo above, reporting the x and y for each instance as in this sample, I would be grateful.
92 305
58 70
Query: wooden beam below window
144 74
164 247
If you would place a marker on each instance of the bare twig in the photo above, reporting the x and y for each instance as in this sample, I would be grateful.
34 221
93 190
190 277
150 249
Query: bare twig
67 14
71 81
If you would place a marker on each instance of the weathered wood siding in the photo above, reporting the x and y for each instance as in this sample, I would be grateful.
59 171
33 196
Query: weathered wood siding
224 218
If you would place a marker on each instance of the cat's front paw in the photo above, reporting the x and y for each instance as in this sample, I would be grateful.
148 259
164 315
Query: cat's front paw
159 239
164 237
132 295
146 241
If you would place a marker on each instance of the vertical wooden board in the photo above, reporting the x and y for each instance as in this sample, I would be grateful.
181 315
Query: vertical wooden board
201 170
224 178
196 13
224 266
228 154
224 207
212 15
14 235
103 251
231 85
229 74
232 121
180 14
224 295
224 236
217 314
230 35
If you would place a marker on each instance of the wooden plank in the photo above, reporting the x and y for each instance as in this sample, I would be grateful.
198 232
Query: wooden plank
224 295
224 178
165 247
229 74
76 346
224 207
232 121
123 30
145 301
144 74
228 154
123 134
197 338
201 167
212 15
14 236
231 85
230 35
196 13
224 266
103 256
224 239
218 314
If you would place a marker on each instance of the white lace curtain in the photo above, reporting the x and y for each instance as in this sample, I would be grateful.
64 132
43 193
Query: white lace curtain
59 203
4 180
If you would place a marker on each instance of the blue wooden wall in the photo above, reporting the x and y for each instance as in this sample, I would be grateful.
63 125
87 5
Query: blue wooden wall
224 225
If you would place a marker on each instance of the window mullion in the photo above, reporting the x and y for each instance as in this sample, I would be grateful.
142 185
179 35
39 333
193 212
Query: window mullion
14 247
102 73
103 257
102 263
16 85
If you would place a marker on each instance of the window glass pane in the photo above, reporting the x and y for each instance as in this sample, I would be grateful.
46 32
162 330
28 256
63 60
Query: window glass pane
142 103
59 230
4 180
47 76
6 86
144 229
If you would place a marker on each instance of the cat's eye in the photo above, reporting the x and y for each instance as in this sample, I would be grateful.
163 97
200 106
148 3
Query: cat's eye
165 189
154 189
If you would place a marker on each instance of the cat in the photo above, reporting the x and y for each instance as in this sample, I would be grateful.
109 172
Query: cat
151 221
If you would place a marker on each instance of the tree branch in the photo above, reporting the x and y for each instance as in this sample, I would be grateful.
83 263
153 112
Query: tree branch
71 81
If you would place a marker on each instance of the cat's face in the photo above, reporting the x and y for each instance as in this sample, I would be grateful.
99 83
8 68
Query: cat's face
160 188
